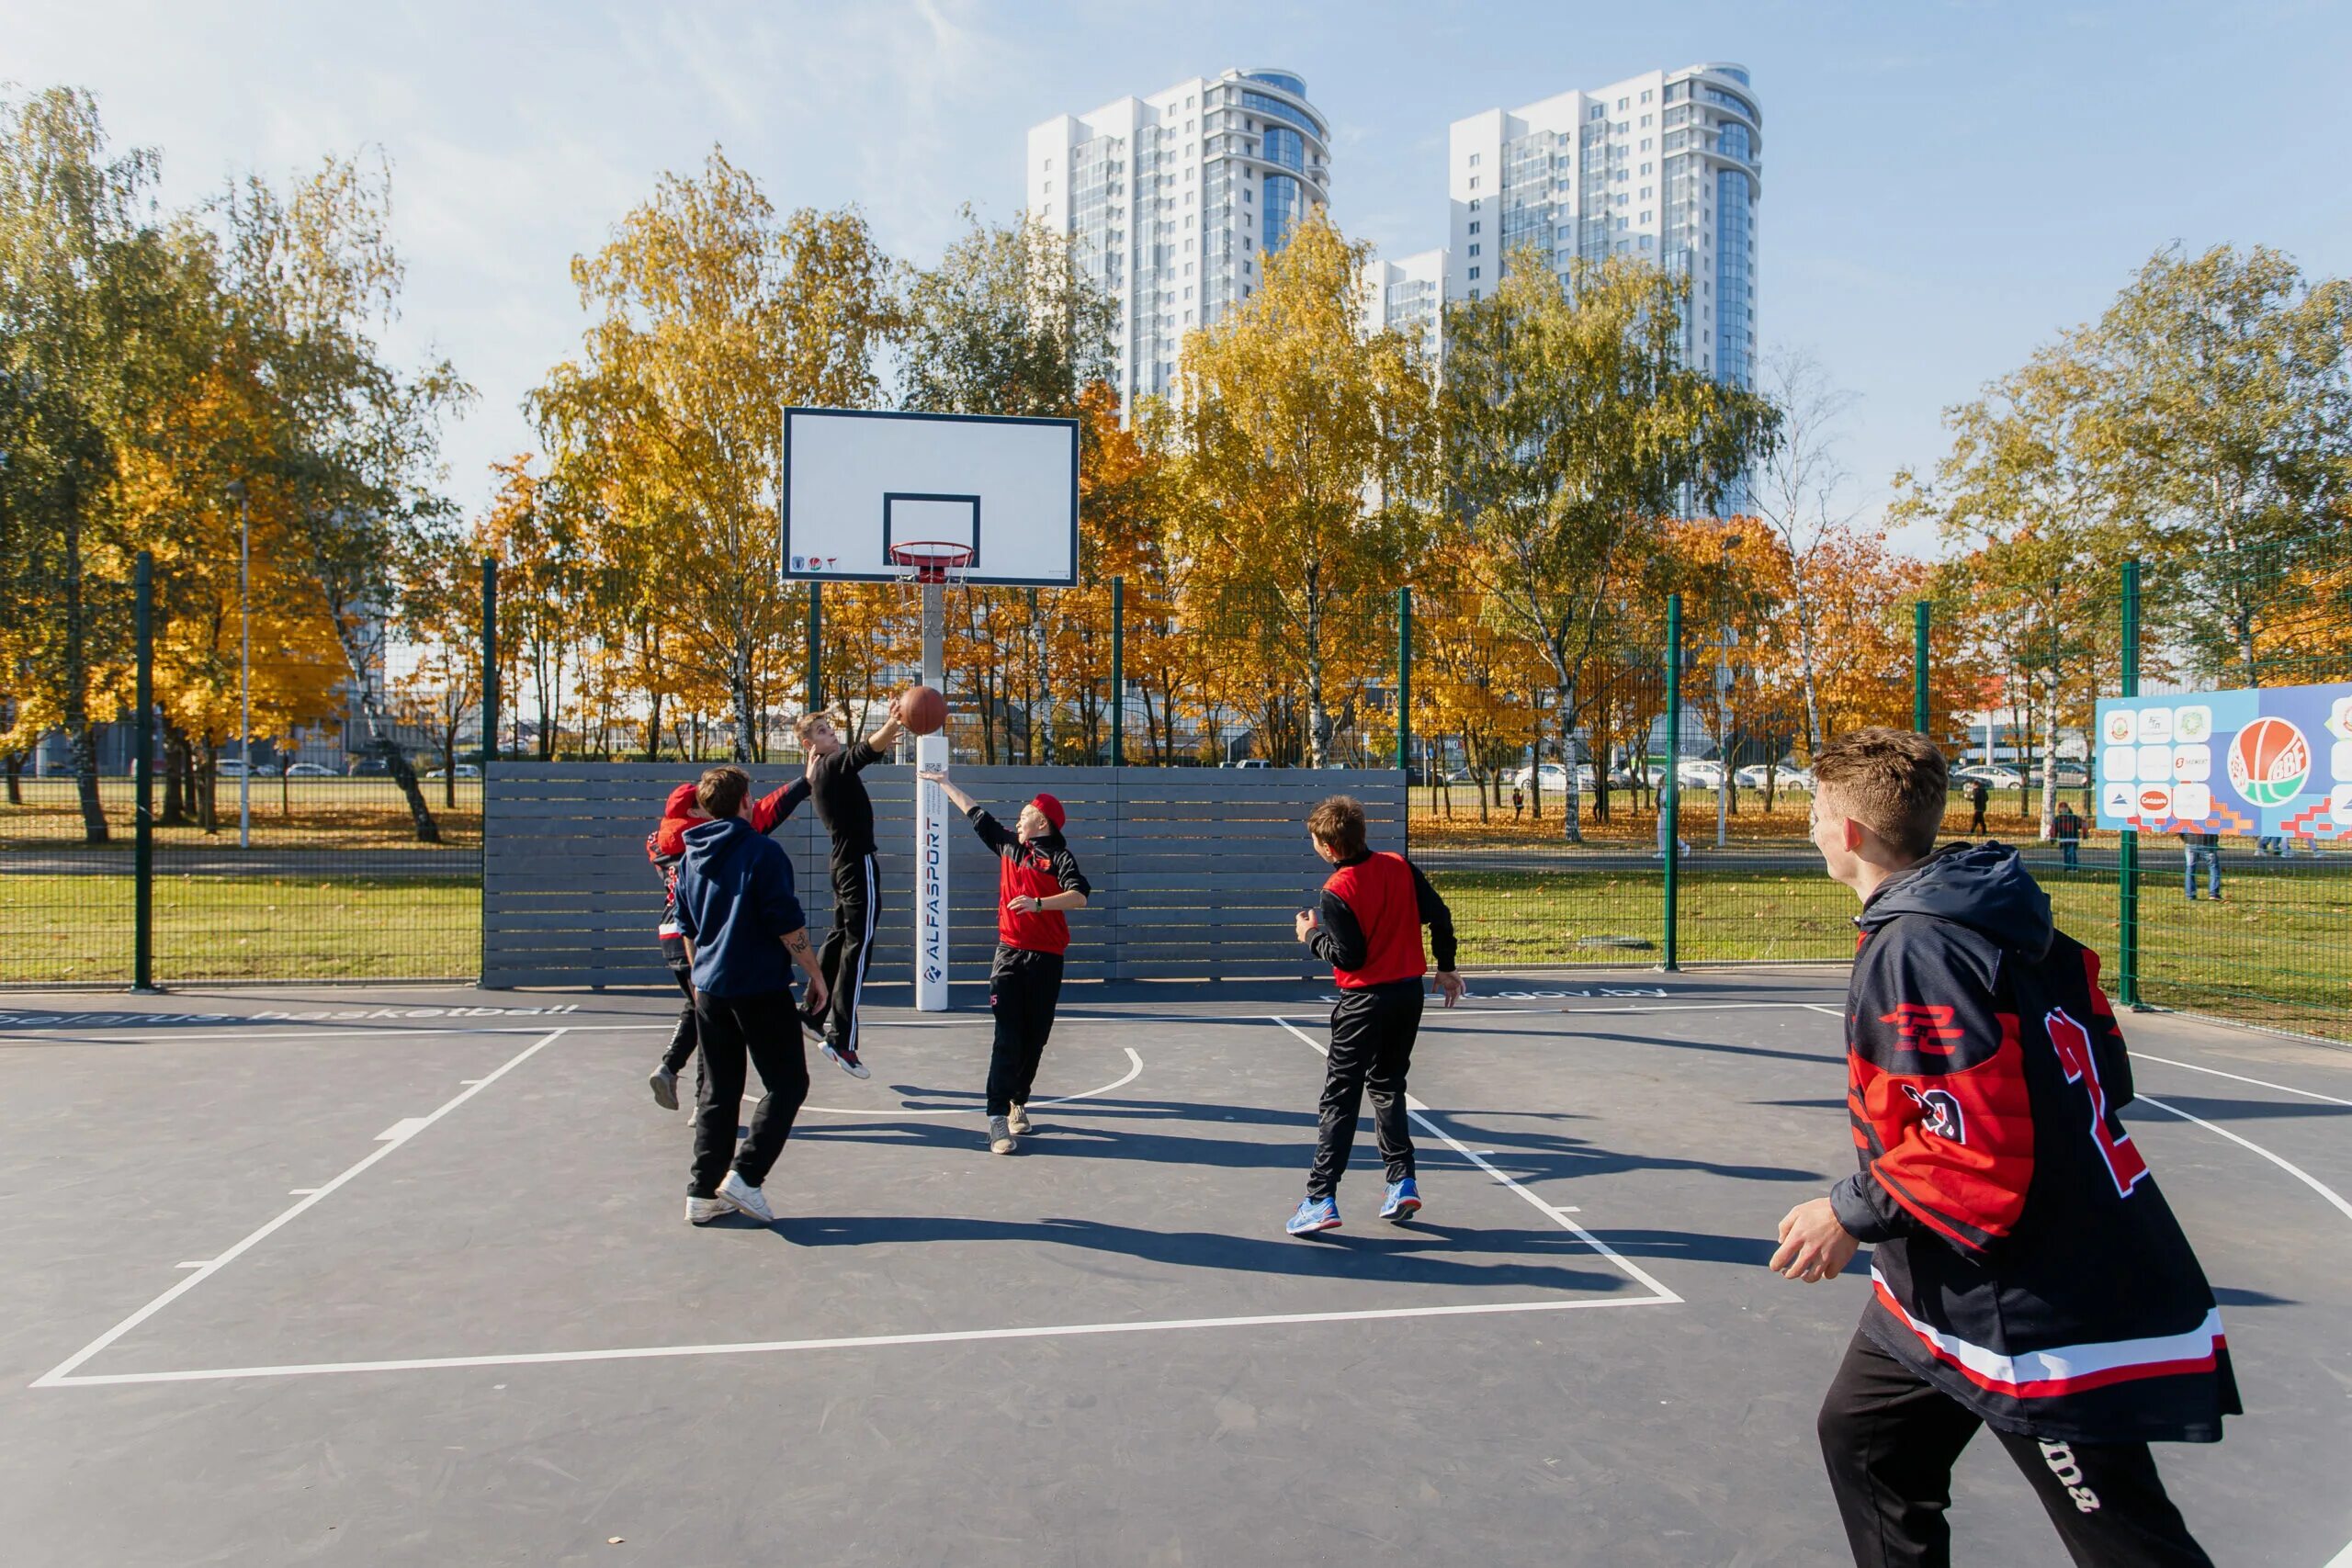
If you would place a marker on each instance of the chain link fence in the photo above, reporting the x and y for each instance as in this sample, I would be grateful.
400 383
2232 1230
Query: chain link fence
1544 764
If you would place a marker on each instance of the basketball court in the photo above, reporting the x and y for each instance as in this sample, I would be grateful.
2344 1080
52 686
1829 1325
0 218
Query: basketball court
401 1278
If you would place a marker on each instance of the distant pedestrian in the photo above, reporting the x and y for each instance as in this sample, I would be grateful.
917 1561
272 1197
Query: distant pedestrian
1517 802
2067 828
1979 794
2206 847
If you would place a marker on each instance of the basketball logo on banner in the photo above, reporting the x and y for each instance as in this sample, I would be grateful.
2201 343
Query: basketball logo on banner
2269 760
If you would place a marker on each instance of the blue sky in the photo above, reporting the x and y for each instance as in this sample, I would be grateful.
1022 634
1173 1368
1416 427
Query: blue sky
1946 184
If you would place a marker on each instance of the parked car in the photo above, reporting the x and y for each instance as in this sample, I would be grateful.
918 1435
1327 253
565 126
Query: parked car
309 770
1556 778
1699 773
1250 763
2071 775
463 770
1995 775
1783 777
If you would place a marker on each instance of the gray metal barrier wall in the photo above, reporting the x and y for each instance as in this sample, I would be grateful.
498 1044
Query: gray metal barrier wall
1196 870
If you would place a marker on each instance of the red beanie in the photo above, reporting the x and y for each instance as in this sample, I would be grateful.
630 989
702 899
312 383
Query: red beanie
1052 810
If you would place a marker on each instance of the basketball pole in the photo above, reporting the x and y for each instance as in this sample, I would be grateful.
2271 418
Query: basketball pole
930 820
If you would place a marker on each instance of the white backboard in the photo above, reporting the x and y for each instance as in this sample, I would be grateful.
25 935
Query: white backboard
856 481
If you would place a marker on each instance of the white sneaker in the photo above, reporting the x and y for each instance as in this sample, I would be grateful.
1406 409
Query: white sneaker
702 1210
745 1199
1001 1140
1019 1122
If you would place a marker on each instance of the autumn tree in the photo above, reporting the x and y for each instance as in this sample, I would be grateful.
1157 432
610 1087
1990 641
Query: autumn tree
314 278
77 230
1572 425
1307 461
712 316
2226 407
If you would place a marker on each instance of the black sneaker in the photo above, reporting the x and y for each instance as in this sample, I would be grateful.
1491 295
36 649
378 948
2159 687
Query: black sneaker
845 1056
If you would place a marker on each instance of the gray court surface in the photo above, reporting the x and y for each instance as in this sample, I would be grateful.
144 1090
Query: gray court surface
400 1277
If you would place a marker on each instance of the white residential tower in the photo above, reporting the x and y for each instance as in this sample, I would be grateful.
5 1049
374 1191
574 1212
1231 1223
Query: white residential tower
1174 199
1665 166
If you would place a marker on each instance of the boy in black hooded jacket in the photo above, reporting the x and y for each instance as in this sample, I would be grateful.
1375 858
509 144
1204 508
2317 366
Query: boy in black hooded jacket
2027 1275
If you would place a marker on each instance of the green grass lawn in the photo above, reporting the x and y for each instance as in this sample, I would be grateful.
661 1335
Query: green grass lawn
77 929
2277 952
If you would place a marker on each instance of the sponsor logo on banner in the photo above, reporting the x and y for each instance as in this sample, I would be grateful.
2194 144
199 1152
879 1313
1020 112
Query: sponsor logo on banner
2192 802
2155 801
2339 804
2192 763
2268 760
2155 724
2155 762
2117 800
2339 762
2119 764
2122 727
2193 724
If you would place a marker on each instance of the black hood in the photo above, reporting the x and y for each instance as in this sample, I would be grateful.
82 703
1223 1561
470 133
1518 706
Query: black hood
1983 886
710 844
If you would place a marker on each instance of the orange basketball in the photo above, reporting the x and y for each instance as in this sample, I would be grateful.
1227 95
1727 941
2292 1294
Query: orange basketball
921 709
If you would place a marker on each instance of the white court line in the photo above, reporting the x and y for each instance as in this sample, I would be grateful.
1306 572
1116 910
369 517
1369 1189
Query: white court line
850 1342
2302 1175
2241 1078
1134 1068
1419 1112
64 1370
1838 1013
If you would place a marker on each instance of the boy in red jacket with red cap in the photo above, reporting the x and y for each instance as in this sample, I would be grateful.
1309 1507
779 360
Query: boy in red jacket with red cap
665 846
1037 879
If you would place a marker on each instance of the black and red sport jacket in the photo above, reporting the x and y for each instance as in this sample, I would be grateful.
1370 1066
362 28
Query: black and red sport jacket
666 845
2026 1263
1034 868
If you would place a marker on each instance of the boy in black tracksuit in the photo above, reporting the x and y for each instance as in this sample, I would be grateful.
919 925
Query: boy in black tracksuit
1037 879
665 847
847 812
2027 1275
1368 928
744 931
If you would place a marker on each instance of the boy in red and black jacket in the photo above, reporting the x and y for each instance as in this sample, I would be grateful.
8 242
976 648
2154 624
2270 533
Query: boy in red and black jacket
2027 1275
1037 879
665 847
1368 929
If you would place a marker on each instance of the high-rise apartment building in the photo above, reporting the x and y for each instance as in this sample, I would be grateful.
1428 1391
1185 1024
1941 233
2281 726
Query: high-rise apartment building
1665 166
1174 199
1409 295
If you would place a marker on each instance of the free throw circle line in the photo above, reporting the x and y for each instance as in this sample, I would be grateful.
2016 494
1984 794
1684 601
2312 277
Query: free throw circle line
1135 1066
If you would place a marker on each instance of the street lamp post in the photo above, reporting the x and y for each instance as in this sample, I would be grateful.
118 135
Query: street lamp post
244 668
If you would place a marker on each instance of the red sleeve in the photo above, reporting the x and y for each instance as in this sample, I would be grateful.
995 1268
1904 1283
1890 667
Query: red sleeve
669 840
1937 1088
769 811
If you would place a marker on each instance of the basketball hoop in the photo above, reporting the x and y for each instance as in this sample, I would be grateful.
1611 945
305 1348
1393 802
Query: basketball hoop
930 561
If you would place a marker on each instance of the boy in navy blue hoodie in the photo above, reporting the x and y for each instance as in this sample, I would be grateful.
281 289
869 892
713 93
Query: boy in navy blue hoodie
737 915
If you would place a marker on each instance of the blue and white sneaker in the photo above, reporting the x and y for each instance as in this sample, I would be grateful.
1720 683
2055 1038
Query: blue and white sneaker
1402 1200
1314 1215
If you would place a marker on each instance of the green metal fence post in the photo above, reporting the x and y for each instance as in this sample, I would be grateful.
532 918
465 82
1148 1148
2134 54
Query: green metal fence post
489 663
1405 679
1920 615
142 773
814 680
2127 854
1669 806
1118 671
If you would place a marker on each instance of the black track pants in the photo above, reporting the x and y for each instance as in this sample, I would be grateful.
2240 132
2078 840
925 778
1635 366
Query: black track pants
767 1029
1372 1048
1022 988
848 947
681 1039
1891 1439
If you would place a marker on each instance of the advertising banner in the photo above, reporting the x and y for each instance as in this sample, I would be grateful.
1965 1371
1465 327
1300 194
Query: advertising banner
2271 762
